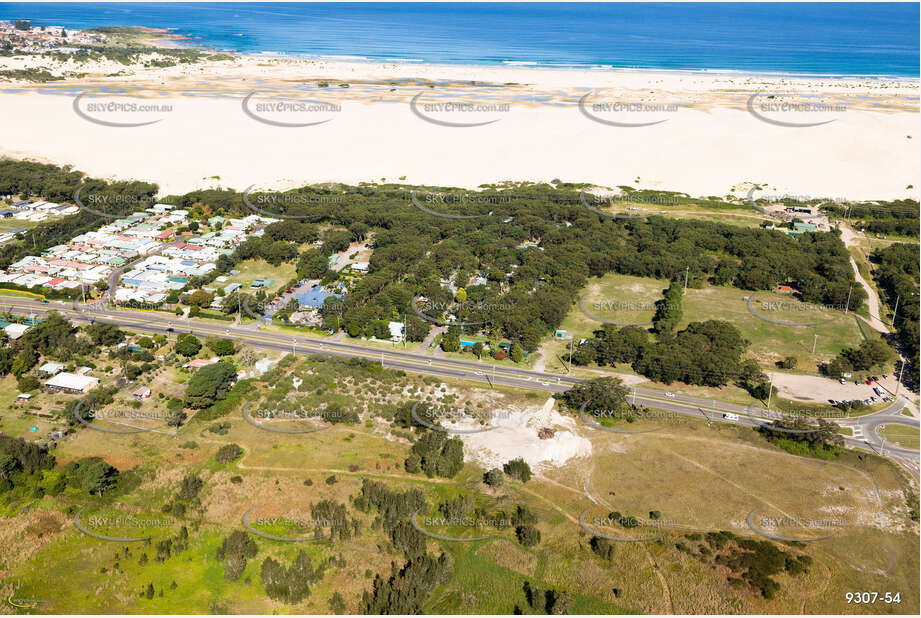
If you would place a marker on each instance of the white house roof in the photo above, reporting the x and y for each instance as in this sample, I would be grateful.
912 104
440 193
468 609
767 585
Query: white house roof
72 381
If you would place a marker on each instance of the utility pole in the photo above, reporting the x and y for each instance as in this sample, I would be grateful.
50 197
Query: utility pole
847 305
896 312
899 383
570 352
687 271
770 392
814 341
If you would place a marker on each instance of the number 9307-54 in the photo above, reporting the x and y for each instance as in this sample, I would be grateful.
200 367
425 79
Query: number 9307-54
873 597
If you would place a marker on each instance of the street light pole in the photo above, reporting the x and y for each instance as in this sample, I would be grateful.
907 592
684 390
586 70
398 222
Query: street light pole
814 341
687 271
847 305
770 392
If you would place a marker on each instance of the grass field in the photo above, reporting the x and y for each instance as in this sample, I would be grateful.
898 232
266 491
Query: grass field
250 270
631 300
700 478
904 436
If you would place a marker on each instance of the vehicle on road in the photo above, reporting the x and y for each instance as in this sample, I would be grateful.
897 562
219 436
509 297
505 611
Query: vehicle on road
479 373
670 395
729 416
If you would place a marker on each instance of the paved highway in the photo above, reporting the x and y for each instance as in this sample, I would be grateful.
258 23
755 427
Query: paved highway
864 428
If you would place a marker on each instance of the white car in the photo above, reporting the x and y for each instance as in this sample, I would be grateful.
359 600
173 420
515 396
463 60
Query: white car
670 395
478 373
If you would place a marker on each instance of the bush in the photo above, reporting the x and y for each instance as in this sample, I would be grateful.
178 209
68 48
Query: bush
527 535
26 383
188 345
519 469
493 478
228 453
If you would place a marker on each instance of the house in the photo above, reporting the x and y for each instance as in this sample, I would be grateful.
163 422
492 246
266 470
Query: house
198 363
15 331
396 331
71 383
51 368
315 297
264 365
141 393
361 267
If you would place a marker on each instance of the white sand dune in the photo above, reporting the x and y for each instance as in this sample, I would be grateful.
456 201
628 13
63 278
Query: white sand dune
710 146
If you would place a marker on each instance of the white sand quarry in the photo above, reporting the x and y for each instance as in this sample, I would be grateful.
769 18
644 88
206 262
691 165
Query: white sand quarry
515 435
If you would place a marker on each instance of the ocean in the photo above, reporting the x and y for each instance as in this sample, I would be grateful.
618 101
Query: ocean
834 39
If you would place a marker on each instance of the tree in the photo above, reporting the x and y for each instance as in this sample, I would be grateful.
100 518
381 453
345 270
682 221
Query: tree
104 334
98 476
200 298
450 342
516 354
228 453
789 362
188 345
234 551
460 295
222 347
519 469
600 394
493 478
478 349
26 383
209 384
527 535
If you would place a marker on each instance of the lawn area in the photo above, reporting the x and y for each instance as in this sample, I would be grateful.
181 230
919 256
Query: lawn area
631 300
250 270
904 436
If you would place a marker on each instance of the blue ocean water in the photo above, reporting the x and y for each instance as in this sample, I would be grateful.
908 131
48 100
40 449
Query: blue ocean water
853 39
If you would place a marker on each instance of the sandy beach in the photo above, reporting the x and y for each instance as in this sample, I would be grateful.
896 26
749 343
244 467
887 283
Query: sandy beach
218 123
